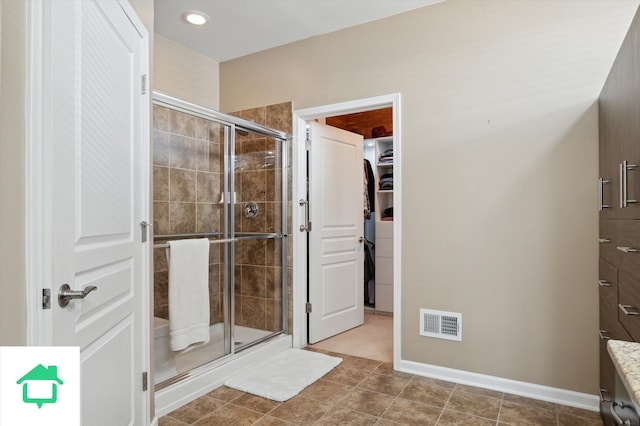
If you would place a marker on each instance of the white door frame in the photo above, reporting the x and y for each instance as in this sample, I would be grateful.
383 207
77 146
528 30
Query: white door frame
39 330
299 164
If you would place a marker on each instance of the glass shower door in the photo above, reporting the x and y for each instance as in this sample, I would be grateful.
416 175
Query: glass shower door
258 225
218 177
189 183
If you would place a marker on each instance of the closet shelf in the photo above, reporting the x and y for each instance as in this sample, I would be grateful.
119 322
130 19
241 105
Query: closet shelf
382 191
384 164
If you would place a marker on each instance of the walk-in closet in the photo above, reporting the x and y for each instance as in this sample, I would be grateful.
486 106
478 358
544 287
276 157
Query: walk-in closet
378 187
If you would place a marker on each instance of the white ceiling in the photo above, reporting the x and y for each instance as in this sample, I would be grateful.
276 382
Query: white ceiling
241 27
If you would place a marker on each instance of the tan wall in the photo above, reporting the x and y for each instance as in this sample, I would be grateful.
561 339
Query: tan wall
144 10
13 312
499 162
185 74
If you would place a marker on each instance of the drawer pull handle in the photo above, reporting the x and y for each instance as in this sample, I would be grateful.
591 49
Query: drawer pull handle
627 249
602 397
601 184
603 283
625 309
624 196
603 240
602 335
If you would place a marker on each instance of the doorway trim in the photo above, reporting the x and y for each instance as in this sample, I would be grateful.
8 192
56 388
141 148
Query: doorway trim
299 164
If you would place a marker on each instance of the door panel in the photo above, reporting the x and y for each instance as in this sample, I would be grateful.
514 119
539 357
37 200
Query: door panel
97 166
608 146
608 153
114 406
336 255
620 130
334 299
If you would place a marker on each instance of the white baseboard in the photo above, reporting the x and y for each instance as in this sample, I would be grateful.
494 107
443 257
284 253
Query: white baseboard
181 393
530 390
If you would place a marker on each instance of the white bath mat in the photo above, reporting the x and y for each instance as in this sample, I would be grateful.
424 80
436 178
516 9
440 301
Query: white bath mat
285 375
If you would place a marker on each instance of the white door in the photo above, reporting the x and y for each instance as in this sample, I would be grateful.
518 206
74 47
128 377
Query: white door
96 147
336 249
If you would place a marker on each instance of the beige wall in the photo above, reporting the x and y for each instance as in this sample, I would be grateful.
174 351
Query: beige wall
13 313
144 10
499 162
185 74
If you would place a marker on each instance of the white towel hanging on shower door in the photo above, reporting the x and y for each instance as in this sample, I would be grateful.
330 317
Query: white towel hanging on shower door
188 293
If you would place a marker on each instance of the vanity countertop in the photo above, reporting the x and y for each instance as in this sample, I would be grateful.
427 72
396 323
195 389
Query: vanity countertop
626 358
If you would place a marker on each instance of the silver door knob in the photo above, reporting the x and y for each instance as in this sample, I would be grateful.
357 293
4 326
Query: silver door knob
65 294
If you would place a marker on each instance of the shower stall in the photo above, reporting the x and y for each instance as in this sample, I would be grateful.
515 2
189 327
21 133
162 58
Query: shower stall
220 177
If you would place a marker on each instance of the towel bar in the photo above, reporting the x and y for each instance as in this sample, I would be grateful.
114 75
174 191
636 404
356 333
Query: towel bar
242 237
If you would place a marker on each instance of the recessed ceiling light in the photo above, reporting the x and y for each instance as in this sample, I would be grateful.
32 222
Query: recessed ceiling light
194 17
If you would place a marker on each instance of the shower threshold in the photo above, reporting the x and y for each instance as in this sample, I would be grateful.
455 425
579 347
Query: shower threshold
177 392
200 356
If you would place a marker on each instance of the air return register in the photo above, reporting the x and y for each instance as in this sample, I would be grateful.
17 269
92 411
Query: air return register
440 324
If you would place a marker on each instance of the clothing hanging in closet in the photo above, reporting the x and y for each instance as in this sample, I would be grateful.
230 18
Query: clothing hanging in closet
368 190
370 184
369 273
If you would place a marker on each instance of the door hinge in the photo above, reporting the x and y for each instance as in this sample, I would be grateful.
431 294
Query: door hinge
145 230
143 84
307 307
145 381
307 142
46 298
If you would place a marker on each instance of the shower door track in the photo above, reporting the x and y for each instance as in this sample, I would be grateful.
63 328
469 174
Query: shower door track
214 363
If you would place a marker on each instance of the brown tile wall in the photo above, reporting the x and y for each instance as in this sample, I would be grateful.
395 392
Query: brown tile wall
187 176
187 159
258 284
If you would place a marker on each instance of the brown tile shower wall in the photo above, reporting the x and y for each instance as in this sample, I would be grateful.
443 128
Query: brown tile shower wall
187 159
187 177
258 294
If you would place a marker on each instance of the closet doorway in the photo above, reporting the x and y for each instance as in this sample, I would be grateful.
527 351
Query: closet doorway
382 148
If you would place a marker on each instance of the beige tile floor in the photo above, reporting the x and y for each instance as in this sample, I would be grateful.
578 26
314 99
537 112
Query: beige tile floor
365 390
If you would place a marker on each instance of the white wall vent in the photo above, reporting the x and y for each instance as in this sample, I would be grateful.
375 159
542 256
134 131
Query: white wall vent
440 324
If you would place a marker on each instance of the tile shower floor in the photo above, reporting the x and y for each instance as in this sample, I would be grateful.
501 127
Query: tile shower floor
362 391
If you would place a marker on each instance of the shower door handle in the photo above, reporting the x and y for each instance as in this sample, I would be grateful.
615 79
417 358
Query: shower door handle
306 227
